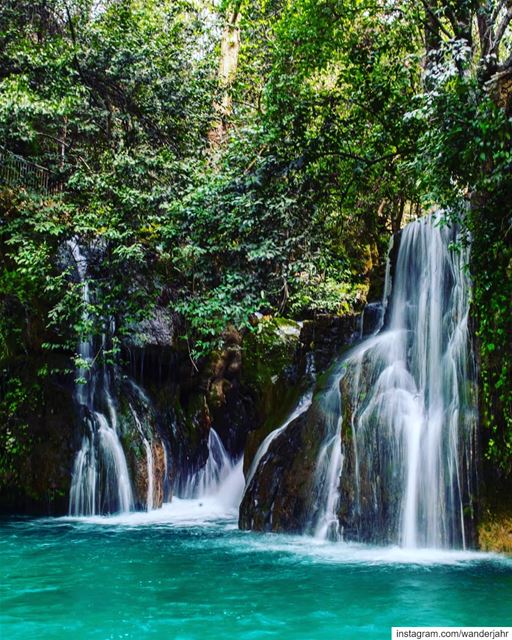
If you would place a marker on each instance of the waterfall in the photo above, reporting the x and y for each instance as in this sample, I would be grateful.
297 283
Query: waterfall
221 477
328 468
397 461
206 481
100 481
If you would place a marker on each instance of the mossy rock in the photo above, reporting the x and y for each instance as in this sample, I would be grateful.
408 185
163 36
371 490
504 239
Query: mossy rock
494 526
268 350
495 533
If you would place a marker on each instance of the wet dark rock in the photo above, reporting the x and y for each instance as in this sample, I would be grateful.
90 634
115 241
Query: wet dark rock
244 391
159 330
371 319
327 335
281 496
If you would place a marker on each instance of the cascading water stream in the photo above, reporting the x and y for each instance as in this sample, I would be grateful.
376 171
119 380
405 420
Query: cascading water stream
220 482
100 481
323 521
408 400
209 480
302 406
328 468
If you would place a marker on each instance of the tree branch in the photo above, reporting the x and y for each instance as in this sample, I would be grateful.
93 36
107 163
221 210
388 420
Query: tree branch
497 10
484 32
65 144
500 31
435 18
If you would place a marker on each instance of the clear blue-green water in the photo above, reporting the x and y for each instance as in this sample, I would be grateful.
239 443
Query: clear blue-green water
179 574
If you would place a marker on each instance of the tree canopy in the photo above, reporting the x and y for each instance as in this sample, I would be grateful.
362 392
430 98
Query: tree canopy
224 158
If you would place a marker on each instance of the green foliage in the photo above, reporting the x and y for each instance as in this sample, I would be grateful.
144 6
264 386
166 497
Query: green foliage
15 439
116 102
464 163
491 227
291 215
347 119
268 351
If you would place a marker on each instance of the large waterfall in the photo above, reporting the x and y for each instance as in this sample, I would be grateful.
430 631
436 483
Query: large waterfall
398 460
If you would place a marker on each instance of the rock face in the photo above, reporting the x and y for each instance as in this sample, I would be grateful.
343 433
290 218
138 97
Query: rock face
327 336
164 408
280 497
494 531
35 476
284 493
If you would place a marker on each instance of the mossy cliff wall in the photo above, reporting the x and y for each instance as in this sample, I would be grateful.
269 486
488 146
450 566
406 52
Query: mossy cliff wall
242 391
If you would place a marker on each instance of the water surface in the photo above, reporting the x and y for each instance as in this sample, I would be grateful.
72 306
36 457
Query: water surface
185 572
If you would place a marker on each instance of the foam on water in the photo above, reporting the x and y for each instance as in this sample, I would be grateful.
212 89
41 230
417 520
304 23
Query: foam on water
191 512
210 513
325 552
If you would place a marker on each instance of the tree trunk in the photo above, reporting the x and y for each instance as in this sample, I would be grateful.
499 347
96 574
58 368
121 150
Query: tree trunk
229 52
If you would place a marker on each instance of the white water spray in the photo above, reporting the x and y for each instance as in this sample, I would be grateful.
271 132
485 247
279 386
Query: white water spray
221 478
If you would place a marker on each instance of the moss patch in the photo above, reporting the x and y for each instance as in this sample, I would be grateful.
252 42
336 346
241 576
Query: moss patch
267 351
495 534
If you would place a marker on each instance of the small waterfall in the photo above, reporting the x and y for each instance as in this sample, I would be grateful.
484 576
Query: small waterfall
117 488
220 478
82 495
396 463
100 482
325 523
218 465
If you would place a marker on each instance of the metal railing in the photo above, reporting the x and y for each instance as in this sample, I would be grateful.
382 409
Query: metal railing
15 171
